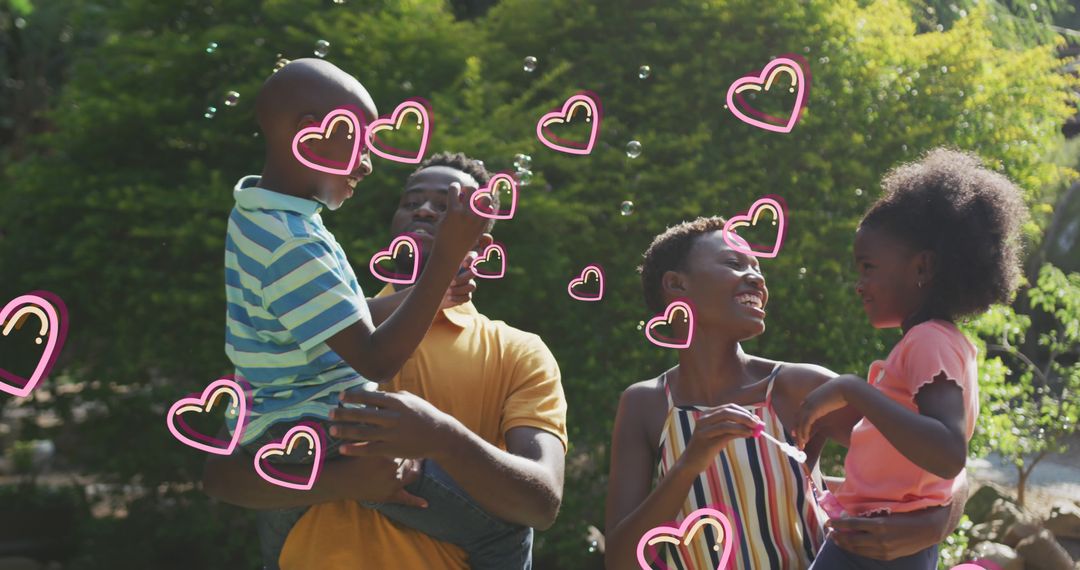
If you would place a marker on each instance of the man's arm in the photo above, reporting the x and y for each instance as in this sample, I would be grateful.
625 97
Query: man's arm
522 485
232 479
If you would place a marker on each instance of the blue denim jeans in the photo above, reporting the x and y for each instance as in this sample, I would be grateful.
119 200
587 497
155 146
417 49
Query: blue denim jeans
452 516
832 557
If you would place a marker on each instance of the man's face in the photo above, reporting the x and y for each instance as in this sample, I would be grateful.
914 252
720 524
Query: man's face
423 203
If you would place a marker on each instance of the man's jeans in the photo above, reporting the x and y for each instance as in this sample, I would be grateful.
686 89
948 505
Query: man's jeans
452 516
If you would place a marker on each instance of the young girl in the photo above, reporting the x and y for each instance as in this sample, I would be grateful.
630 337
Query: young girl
941 244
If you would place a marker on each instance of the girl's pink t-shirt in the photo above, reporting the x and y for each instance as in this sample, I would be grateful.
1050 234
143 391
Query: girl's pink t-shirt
878 478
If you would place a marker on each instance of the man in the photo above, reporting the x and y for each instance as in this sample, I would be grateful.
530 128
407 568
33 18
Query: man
479 397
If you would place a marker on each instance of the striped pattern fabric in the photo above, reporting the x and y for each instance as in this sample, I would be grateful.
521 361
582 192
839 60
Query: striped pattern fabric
763 492
288 288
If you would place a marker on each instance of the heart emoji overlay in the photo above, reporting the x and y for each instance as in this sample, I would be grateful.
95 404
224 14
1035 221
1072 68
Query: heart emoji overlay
226 387
299 438
343 122
704 535
51 322
494 253
499 184
785 66
679 310
414 113
766 205
591 276
582 106
403 244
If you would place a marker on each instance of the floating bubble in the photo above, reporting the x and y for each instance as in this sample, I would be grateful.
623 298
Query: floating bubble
529 64
232 98
522 161
524 176
339 2
407 85
210 112
640 325
281 62
1033 6
211 47
858 191
626 208
593 545
20 23
944 69
322 47
633 149
644 72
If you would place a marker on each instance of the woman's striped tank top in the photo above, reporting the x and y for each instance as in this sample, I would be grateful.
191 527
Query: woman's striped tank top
772 508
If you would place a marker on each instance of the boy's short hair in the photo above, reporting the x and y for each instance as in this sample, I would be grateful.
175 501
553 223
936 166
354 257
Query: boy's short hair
668 252
470 166
969 216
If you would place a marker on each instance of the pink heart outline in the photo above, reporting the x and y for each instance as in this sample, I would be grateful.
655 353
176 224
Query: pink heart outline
563 115
494 247
789 64
595 269
490 189
284 445
213 445
695 518
50 306
407 239
355 119
413 105
977 565
665 319
777 206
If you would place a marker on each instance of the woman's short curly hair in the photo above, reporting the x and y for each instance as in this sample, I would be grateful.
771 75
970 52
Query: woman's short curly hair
668 252
470 166
968 216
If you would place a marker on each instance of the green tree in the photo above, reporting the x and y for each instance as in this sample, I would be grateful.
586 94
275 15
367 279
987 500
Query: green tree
1031 415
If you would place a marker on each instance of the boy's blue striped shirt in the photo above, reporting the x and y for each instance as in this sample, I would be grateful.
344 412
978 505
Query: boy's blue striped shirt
288 288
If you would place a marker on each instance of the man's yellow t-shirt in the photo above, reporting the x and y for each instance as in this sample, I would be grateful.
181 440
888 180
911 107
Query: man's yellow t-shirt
487 374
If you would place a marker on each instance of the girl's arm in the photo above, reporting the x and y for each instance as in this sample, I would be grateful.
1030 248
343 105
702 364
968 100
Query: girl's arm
631 509
934 438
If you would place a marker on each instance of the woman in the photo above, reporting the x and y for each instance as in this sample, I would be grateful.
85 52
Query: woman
695 424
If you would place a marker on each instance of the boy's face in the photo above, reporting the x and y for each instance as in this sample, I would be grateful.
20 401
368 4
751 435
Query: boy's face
423 203
333 189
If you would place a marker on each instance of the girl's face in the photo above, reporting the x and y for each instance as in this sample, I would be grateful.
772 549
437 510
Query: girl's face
889 276
725 286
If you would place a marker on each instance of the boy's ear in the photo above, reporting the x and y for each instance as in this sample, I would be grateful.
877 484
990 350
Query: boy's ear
306 121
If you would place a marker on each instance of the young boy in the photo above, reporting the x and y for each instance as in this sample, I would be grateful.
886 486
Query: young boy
298 328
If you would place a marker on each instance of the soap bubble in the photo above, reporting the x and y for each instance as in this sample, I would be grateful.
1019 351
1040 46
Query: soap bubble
633 149
211 47
529 64
522 161
322 47
281 62
524 176
644 71
232 98
626 208
210 112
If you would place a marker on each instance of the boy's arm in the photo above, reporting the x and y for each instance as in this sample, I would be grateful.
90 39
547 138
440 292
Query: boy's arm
378 353
460 291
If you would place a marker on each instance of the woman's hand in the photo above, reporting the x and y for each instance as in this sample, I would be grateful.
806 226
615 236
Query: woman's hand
714 430
819 403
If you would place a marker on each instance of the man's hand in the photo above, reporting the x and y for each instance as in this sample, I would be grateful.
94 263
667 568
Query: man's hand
463 285
395 424
891 537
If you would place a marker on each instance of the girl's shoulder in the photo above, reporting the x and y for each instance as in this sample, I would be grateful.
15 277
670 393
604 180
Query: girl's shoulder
644 395
797 379
939 334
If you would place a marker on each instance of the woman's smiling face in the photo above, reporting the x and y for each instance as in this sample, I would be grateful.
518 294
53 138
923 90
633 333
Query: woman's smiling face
725 286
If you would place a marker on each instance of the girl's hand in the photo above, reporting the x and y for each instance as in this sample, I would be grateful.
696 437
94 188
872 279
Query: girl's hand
714 430
819 403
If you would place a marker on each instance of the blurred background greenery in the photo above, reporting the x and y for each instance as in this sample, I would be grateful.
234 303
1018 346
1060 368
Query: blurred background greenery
120 145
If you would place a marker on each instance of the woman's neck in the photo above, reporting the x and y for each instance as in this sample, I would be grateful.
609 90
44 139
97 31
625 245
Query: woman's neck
711 374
